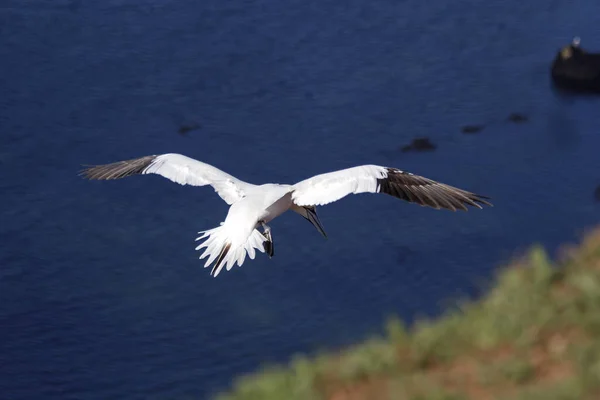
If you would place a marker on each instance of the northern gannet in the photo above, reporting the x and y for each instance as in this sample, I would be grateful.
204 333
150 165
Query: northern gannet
253 206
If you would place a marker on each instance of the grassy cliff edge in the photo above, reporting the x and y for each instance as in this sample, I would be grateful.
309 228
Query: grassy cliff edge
534 336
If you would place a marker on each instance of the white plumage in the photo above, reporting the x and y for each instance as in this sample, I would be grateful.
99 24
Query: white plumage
217 239
253 206
187 171
327 188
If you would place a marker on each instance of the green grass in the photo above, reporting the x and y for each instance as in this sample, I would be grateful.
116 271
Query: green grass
535 335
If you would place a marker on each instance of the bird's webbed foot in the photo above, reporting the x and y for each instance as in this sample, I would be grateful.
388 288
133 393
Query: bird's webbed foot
268 243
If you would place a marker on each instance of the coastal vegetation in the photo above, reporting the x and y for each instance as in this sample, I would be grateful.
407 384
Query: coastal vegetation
534 335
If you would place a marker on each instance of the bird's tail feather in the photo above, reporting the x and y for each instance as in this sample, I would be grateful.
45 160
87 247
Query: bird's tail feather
218 247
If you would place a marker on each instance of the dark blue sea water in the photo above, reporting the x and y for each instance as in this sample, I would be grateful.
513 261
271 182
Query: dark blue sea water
101 292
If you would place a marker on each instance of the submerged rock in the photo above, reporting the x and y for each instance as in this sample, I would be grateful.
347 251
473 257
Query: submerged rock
470 129
518 117
419 144
184 129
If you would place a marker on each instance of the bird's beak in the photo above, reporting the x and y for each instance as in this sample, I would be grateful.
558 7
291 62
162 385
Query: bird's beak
314 219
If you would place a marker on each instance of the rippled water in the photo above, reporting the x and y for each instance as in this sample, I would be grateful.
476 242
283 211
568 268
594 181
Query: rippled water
101 294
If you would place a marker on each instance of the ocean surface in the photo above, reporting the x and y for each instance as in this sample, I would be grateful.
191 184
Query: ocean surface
101 292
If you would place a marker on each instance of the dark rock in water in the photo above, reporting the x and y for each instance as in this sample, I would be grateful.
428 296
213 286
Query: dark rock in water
419 144
597 193
184 129
517 117
576 70
469 129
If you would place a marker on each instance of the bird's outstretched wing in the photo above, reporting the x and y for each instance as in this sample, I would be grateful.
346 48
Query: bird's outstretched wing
326 188
176 167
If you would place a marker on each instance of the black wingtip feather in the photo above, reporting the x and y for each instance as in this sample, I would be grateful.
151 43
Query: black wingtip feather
428 193
116 170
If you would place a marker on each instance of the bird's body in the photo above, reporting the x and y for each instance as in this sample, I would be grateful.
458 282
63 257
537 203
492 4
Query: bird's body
271 199
253 206
261 203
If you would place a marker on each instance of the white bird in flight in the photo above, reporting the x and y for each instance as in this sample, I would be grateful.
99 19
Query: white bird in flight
253 206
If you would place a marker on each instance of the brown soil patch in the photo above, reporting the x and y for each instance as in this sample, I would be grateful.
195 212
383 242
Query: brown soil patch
548 360
372 389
